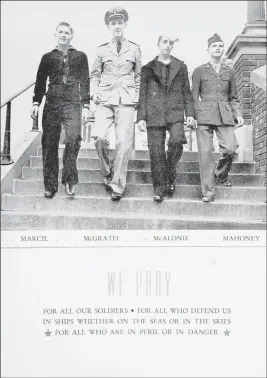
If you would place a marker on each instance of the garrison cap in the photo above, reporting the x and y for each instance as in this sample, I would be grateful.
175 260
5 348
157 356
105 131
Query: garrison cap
214 38
116 12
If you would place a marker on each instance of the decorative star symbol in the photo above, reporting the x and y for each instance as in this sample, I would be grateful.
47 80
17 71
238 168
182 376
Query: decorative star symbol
227 333
48 333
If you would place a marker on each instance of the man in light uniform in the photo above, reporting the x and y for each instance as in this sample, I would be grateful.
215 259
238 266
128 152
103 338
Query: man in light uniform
217 109
115 82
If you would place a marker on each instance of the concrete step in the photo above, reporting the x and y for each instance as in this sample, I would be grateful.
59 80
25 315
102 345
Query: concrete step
144 164
251 194
135 154
18 220
133 205
141 177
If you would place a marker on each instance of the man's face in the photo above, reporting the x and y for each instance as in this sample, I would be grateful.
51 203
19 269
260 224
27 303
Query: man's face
116 26
216 49
165 45
63 35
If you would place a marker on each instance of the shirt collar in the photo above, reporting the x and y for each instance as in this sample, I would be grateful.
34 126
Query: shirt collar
115 42
215 65
69 49
165 64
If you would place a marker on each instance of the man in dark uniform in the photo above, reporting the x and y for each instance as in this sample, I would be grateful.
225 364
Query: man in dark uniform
217 109
67 102
115 82
165 97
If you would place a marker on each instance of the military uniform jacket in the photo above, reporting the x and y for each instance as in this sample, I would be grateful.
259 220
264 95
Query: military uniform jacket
215 96
116 76
160 106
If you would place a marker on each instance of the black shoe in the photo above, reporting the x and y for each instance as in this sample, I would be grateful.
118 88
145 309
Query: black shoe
226 183
49 193
170 189
116 196
70 189
158 198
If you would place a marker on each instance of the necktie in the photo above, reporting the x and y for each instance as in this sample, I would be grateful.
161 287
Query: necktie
118 47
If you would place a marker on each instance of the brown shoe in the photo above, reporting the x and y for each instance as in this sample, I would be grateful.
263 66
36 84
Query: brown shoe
208 198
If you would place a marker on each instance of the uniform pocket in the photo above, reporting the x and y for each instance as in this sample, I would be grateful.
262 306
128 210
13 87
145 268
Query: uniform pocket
106 59
203 107
104 90
105 84
131 58
226 77
131 83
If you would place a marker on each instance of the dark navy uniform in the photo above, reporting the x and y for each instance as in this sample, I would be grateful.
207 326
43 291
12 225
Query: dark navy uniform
68 91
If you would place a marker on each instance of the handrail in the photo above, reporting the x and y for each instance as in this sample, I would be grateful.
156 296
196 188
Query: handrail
18 93
5 155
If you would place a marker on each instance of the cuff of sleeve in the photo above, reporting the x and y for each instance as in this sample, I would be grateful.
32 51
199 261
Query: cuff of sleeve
87 106
36 103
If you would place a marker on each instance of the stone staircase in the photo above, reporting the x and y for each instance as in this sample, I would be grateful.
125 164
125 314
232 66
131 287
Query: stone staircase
239 207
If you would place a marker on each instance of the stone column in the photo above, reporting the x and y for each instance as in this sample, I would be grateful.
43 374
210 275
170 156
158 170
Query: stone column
248 52
255 12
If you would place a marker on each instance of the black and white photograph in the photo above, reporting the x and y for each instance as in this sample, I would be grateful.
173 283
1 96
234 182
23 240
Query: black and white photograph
133 117
133 189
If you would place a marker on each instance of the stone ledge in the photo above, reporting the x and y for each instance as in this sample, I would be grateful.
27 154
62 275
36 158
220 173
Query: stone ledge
26 146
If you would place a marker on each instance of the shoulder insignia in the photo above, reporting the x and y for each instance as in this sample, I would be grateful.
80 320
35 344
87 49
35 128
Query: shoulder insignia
134 43
104 44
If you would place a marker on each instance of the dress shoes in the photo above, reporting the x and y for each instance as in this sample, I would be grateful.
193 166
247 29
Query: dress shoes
158 198
170 189
116 196
224 182
49 194
208 198
70 189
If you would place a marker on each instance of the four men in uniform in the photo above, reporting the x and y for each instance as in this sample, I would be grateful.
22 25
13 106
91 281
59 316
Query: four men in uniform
165 98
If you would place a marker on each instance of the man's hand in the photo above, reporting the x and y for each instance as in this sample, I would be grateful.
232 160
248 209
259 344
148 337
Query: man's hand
34 111
190 121
240 122
97 98
85 115
142 125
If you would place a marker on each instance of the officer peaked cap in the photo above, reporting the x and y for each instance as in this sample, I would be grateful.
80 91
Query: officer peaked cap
213 39
116 12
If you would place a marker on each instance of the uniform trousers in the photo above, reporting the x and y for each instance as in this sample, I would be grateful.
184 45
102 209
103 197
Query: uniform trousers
228 145
55 114
163 164
122 117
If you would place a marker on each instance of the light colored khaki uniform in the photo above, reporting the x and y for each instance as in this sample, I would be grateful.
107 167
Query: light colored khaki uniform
116 77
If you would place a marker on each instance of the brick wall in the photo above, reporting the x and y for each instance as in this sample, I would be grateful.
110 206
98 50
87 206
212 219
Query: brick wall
243 67
253 104
258 112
